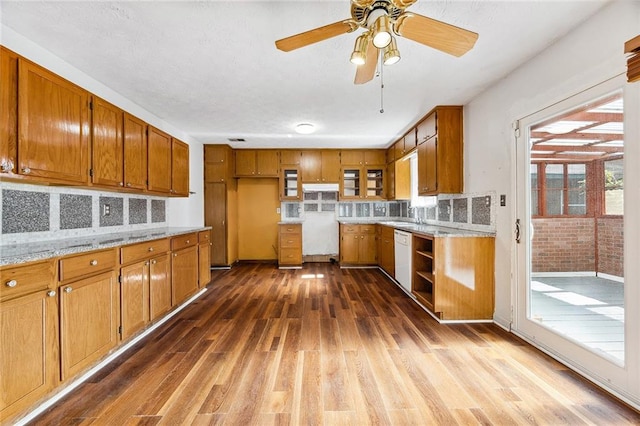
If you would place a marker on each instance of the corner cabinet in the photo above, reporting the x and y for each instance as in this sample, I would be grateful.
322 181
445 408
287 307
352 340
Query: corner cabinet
453 277
440 152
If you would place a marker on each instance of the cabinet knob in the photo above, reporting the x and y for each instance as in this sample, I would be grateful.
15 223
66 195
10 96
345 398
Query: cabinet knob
153 262
51 293
187 242
128 184
6 166
11 283
94 262
26 170
121 183
150 249
68 289
175 254
146 263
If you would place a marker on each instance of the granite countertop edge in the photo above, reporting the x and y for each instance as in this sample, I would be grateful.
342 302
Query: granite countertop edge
15 254
423 229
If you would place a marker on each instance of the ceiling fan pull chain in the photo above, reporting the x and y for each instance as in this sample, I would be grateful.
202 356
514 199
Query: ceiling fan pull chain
381 86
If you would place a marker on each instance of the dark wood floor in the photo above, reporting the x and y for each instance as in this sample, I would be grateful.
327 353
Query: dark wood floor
266 346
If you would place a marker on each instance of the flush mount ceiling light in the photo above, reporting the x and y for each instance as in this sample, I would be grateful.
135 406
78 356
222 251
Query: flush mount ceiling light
305 128
381 21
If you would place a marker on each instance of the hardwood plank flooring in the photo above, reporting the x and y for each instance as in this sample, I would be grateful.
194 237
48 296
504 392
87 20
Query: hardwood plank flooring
331 346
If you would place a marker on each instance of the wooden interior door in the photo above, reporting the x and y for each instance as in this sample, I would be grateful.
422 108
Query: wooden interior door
258 219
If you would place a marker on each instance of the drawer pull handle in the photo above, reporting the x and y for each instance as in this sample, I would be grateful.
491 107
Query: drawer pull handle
51 293
68 289
93 262
187 242
150 249
11 283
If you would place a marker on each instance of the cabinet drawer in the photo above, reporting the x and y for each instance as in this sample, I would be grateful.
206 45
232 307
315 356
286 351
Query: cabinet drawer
290 241
294 228
25 279
204 236
144 250
182 241
368 229
290 256
350 229
87 264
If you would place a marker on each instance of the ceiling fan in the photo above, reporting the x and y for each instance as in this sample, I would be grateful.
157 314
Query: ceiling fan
381 19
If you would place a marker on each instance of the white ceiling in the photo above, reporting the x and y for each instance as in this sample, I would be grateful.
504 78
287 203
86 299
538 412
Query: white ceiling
211 68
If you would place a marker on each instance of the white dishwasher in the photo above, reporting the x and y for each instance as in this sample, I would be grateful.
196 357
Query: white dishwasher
403 254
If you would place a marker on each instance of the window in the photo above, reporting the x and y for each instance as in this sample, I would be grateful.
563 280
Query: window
558 189
613 187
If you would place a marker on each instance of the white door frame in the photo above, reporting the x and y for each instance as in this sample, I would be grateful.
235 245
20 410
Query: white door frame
620 379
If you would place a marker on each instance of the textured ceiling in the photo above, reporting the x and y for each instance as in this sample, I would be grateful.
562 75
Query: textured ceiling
212 70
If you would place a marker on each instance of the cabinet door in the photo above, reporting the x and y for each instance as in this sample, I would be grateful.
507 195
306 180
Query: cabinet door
375 182
159 161
391 181
349 248
290 183
89 319
291 157
107 162
53 126
352 157
331 166
427 128
268 163
204 264
29 364
179 168
184 274
367 249
427 167
245 162
311 166
216 163
9 108
398 149
350 183
215 216
375 157
135 152
159 286
134 298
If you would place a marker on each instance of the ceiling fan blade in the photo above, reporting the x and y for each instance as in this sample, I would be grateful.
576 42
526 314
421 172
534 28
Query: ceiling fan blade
437 34
318 34
367 70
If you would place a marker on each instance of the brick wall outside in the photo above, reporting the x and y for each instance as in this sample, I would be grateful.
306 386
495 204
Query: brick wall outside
563 245
611 246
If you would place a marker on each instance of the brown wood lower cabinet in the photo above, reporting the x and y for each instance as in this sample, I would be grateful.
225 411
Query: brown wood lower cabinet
89 320
358 245
290 245
184 267
204 258
159 286
386 249
453 276
29 356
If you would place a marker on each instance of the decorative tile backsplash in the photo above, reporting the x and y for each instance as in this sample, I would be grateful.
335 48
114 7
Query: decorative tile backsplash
460 210
38 213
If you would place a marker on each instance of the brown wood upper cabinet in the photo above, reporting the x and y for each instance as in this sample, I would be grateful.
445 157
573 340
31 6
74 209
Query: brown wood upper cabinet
53 126
404 145
135 152
218 163
362 157
9 108
320 166
107 152
159 161
440 157
291 157
179 168
256 163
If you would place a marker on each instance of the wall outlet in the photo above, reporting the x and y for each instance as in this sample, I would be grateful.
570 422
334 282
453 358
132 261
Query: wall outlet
278 210
487 201
106 209
503 200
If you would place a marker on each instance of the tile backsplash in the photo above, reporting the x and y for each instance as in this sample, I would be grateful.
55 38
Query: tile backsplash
33 213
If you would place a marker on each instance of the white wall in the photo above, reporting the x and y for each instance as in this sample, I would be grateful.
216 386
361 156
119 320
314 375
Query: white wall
588 55
180 212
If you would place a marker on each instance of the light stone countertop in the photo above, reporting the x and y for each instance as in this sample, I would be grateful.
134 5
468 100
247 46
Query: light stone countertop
13 254
420 228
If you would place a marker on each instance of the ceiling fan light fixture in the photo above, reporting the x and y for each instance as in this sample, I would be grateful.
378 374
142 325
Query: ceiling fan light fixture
359 54
381 31
391 54
305 128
